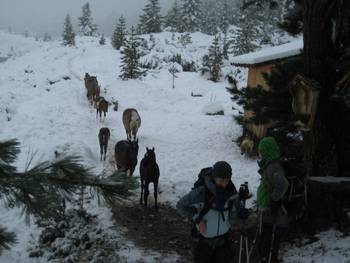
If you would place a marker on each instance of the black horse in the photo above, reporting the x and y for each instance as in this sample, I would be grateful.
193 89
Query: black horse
149 173
125 154
103 137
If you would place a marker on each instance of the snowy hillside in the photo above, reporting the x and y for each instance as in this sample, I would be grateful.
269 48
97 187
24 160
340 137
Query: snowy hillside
43 104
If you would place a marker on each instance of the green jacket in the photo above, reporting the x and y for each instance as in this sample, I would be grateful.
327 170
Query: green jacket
273 184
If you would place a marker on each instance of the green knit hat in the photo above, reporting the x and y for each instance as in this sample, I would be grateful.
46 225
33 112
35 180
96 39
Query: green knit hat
269 149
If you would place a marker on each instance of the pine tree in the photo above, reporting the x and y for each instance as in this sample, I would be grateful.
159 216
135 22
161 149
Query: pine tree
102 40
173 18
293 17
209 18
213 61
68 33
150 21
225 47
119 34
244 41
42 190
86 27
130 67
191 15
224 15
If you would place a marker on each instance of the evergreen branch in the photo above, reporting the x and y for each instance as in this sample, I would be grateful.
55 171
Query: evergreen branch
7 239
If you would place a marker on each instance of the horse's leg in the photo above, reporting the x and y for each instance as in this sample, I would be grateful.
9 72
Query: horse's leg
146 193
142 187
155 185
105 152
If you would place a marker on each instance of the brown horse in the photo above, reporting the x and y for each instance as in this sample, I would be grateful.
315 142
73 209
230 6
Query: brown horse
92 87
103 137
125 154
132 122
149 173
101 106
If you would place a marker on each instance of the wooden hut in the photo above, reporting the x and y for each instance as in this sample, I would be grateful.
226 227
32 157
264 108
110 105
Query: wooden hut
263 61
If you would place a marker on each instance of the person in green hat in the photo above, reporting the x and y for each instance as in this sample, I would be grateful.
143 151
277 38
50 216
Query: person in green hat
271 191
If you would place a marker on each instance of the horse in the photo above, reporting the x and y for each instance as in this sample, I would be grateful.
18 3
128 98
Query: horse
103 137
92 87
132 122
125 154
247 146
149 173
101 106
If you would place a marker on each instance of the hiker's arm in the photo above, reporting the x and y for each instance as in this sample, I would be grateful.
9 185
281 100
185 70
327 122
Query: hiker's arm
278 185
185 206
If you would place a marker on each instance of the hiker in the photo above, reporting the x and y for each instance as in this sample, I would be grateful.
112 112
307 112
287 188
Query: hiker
209 207
271 191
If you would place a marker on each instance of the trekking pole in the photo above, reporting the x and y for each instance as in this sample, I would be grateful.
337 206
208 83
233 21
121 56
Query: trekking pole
272 241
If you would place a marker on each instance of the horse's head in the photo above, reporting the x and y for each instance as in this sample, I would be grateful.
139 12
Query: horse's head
150 155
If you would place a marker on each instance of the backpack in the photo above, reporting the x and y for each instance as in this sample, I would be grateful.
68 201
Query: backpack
294 199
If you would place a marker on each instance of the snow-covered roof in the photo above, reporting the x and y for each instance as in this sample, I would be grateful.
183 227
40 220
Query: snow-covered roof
272 53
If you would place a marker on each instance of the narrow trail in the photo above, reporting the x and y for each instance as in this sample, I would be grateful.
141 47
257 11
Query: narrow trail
161 230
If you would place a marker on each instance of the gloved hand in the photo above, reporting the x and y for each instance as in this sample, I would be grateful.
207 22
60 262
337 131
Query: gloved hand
275 207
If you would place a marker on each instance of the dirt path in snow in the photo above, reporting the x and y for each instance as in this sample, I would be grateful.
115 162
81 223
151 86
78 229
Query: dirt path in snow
163 231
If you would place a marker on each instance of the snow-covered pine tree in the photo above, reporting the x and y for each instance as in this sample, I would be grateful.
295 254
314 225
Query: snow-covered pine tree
68 35
225 47
191 15
86 26
212 62
102 40
292 17
209 18
172 20
150 20
244 41
119 33
224 15
130 65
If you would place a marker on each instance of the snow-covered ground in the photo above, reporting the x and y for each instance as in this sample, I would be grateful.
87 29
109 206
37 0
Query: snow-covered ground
48 117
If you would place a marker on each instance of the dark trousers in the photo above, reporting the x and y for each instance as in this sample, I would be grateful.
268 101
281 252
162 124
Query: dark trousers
265 243
205 253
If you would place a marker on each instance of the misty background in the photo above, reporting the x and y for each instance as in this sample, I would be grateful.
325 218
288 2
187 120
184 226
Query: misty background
47 16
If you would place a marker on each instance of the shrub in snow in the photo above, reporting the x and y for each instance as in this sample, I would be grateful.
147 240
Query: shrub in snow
76 237
214 108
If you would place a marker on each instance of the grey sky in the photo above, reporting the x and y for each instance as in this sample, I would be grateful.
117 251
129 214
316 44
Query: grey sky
48 15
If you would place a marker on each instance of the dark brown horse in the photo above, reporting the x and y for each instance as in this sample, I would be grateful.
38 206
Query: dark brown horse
101 106
149 173
103 137
92 87
125 154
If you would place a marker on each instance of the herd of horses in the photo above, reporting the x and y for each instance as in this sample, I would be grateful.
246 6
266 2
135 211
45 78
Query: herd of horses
125 151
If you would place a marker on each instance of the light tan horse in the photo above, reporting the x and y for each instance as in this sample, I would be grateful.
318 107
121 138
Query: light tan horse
92 87
132 122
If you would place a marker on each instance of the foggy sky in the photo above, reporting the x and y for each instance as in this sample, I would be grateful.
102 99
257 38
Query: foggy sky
42 16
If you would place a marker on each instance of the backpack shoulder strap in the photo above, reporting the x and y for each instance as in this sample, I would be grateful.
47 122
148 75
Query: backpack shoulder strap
208 202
